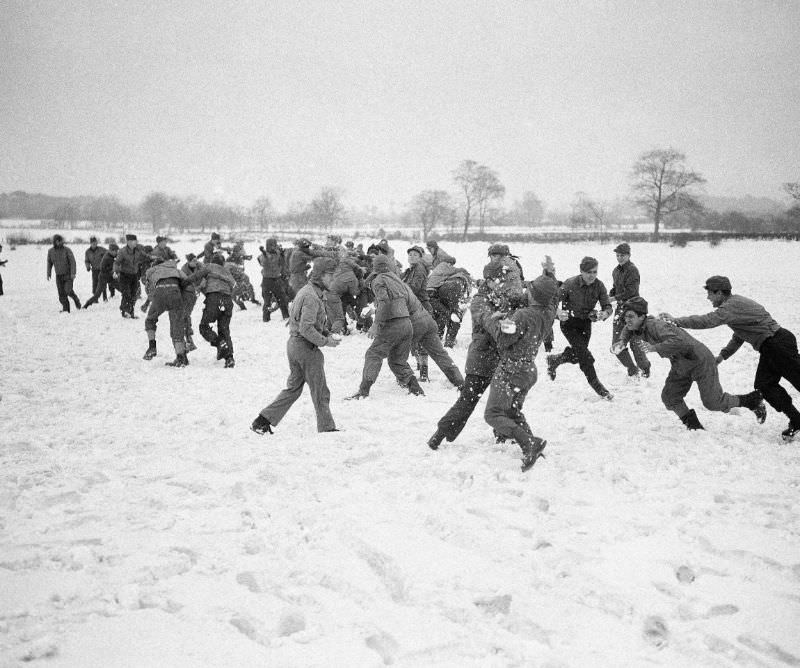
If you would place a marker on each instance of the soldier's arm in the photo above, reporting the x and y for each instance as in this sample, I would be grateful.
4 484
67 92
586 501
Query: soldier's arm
733 345
86 260
670 342
605 302
49 265
707 321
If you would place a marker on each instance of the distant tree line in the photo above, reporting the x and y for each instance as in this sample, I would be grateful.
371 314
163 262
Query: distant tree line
664 193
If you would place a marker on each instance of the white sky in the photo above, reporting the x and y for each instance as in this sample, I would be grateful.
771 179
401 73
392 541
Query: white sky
240 99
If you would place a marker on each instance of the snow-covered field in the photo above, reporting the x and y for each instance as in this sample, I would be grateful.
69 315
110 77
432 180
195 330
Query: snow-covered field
143 524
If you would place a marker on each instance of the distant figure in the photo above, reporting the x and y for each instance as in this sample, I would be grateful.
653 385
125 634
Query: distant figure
307 334
750 322
60 258
162 252
105 277
127 267
2 264
93 258
626 286
437 254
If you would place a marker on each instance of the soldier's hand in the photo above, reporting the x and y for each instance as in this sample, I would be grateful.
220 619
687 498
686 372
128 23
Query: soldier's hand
333 341
665 316
646 347
719 359
562 315
115 275
602 315
617 348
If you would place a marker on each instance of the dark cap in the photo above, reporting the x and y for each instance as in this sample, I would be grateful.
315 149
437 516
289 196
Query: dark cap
499 249
303 243
543 290
416 249
160 239
717 283
130 237
92 240
382 263
215 235
636 304
623 249
190 257
323 265
113 247
432 244
588 263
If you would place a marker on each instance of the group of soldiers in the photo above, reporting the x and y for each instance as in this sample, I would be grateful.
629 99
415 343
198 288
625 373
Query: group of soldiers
418 311
511 318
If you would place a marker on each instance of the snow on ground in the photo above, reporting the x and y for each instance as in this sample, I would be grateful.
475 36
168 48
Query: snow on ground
143 524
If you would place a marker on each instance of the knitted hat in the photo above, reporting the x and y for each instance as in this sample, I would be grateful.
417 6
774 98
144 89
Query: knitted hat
588 263
717 283
499 249
623 249
381 264
543 289
323 265
636 304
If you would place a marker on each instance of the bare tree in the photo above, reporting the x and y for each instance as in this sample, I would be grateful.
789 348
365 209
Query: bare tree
792 189
528 212
326 209
262 213
663 185
479 188
154 208
430 207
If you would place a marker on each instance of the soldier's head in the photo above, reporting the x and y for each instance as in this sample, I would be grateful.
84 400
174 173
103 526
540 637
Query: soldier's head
415 254
218 258
497 252
623 252
215 236
718 290
543 290
588 269
322 271
93 242
113 249
382 264
634 311
58 240
131 241
161 242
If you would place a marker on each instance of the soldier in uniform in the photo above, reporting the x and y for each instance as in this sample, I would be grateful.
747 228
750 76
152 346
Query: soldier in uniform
307 334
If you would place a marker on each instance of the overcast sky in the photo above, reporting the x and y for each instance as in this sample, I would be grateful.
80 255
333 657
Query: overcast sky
234 100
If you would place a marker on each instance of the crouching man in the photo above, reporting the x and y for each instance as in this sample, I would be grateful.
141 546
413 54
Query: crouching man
164 283
307 335
691 361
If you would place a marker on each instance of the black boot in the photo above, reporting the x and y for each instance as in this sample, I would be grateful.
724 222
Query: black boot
691 421
423 373
532 451
790 432
363 391
230 362
222 349
436 439
598 387
180 361
414 388
754 402
552 364
150 353
261 425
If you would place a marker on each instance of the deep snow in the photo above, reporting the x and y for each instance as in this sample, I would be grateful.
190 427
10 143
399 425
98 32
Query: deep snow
143 524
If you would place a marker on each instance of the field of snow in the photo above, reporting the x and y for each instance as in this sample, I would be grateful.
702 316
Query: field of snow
143 524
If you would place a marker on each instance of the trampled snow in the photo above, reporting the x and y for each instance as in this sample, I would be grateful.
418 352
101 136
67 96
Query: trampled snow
143 524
